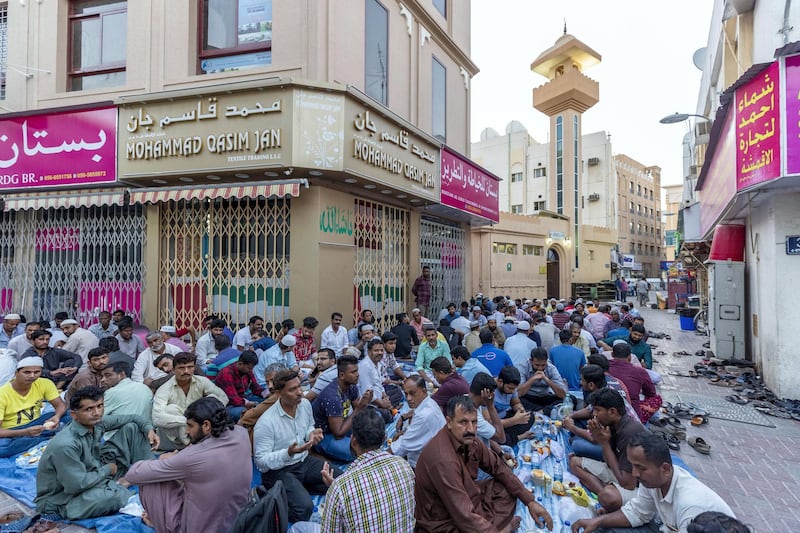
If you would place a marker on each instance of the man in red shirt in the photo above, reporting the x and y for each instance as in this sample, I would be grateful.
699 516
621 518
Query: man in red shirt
636 380
240 385
305 349
450 382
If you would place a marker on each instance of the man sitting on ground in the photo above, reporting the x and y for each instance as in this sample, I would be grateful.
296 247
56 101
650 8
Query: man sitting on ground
636 380
376 493
179 492
282 438
450 382
144 371
123 396
544 387
490 356
370 378
282 352
519 347
448 497
174 397
22 424
21 343
77 471
635 339
79 340
239 384
429 350
613 429
516 419
59 366
90 374
568 360
226 355
418 426
205 349
129 342
466 365
326 370
668 491
334 407
244 337
250 417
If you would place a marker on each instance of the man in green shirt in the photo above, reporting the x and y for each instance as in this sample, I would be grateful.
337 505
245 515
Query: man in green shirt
123 396
638 344
77 475
430 350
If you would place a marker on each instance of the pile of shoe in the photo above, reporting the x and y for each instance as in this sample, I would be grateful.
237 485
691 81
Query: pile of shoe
670 427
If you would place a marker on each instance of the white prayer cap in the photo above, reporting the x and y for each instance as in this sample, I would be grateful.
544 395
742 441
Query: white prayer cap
30 361
166 329
288 340
69 322
12 316
619 341
523 325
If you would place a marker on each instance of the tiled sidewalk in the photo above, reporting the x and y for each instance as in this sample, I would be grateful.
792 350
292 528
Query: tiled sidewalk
755 469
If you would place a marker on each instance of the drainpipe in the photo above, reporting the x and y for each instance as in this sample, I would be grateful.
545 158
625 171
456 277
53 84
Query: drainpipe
786 26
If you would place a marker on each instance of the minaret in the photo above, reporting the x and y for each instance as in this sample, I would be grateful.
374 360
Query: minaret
566 95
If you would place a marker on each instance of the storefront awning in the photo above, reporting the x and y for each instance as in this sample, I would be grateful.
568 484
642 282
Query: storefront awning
251 190
58 199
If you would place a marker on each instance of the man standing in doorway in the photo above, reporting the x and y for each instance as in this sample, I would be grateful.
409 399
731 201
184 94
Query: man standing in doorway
422 290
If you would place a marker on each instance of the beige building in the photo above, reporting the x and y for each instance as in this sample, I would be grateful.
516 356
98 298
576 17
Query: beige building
640 236
282 159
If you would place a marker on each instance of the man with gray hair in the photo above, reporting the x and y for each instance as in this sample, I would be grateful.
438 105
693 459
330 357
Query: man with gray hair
144 371
79 340
10 329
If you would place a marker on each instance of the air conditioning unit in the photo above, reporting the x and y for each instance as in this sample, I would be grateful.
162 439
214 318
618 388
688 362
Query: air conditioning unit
702 132
594 161
694 170
594 197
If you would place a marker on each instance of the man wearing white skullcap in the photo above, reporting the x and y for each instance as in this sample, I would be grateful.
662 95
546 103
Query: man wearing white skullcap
79 340
11 328
22 424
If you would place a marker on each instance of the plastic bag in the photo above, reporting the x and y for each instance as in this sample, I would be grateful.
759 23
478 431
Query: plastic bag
571 512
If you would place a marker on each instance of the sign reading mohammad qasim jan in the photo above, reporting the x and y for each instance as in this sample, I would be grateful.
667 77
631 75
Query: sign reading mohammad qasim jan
217 133
388 152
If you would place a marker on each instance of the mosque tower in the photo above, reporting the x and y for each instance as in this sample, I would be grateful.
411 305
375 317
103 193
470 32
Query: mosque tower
564 97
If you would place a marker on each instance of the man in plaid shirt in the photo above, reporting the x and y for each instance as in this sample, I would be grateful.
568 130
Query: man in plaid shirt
240 385
422 290
305 349
376 493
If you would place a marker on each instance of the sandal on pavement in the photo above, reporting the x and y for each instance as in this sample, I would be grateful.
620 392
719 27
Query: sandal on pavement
700 445
699 420
674 422
735 398
777 412
672 442
43 526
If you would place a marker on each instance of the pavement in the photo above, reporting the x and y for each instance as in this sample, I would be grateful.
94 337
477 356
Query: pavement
752 467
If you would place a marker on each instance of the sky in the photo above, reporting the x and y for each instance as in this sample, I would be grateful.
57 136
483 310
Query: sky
646 71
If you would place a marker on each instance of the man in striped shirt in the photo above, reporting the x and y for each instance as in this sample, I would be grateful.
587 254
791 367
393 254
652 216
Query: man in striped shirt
376 493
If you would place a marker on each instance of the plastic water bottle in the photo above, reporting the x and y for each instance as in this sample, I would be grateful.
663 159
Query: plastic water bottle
566 527
566 408
558 472
538 431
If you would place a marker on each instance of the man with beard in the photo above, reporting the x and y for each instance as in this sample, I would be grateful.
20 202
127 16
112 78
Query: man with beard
448 497
282 438
59 365
407 336
326 370
144 371
635 340
179 492
418 426
91 374
79 340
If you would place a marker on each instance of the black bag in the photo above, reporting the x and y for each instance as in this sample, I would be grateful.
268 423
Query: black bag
266 512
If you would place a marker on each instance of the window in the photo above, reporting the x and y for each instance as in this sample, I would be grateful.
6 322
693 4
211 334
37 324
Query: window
236 34
539 172
516 176
631 226
631 207
532 249
539 206
639 190
98 44
441 7
504 248
630 187
439 100
516 209
376 48
3 48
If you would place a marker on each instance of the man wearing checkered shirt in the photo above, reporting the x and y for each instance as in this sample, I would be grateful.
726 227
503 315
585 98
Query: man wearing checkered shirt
376 493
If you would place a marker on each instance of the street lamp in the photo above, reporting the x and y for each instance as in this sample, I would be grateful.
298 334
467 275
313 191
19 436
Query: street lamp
680 117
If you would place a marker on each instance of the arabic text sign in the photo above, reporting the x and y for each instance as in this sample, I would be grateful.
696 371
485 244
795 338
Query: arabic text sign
757 126
59 149
792 76
243 129
469 188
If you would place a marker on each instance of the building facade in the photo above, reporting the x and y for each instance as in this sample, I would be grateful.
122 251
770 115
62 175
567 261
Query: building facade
747 176
272 158
672 201
640 237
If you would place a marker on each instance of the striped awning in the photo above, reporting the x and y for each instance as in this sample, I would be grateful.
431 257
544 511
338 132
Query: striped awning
63 199
251 190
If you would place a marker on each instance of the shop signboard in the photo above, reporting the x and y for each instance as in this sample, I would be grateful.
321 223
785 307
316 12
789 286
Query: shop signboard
58 150
384 151
203 135
469 188
757 129
792 92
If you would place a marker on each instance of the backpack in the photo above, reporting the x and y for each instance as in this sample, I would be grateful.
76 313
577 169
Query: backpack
266 512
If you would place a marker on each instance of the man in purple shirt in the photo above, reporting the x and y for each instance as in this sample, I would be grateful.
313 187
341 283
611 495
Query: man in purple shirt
636 380
450 382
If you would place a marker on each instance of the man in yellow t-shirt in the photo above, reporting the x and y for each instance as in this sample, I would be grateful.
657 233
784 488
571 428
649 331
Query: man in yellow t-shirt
22 424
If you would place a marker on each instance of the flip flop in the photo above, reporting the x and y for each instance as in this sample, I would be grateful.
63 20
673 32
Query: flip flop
674 422
672 442
735 398
700 445
777 412
699 420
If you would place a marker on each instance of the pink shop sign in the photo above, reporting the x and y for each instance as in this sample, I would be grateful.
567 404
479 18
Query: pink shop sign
792 80
96 296
64 149
58 239
469 188
757 127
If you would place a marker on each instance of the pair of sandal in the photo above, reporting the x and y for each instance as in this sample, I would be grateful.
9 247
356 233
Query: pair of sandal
700 445
36 524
